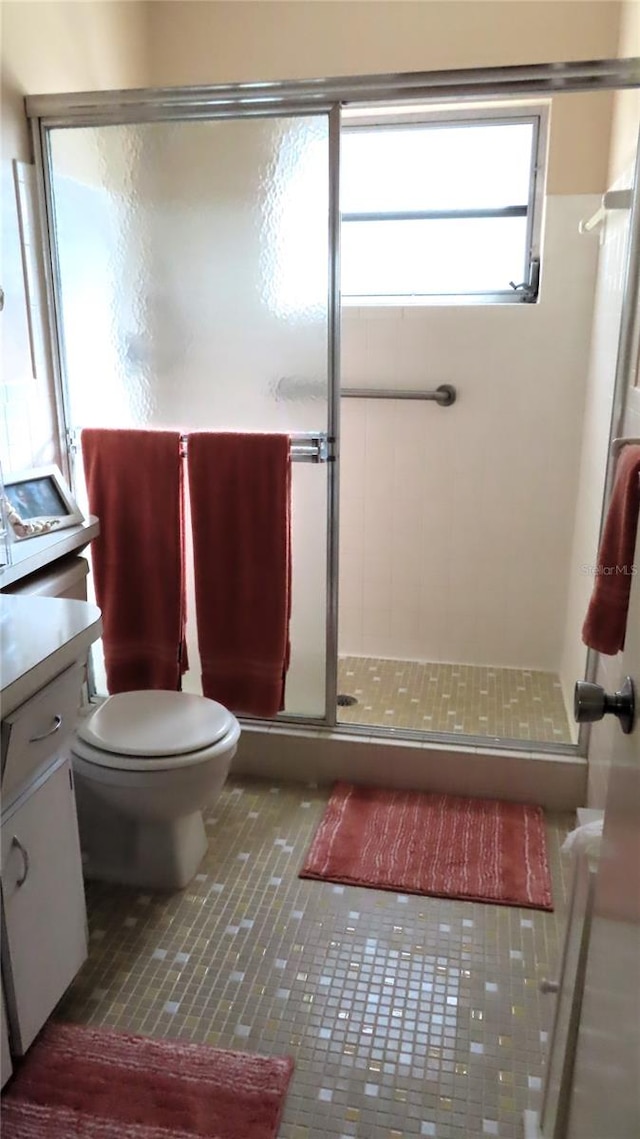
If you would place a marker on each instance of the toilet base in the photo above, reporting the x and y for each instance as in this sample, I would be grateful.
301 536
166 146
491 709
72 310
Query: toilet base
155 855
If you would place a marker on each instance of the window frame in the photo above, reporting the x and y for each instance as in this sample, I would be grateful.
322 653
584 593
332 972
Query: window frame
535 112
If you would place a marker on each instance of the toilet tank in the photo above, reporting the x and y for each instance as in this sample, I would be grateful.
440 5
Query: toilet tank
66 577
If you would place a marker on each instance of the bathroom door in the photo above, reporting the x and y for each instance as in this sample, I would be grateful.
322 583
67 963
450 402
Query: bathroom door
604 1097
194 275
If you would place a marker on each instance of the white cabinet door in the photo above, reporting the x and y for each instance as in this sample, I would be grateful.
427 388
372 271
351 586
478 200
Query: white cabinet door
44 908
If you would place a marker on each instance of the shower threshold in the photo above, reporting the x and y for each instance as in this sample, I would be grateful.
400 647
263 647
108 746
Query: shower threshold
384 740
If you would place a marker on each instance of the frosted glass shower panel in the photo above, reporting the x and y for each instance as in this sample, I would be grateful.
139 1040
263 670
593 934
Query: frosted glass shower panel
193 262
104 255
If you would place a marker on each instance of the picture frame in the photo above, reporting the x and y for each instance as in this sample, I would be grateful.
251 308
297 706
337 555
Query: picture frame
38 501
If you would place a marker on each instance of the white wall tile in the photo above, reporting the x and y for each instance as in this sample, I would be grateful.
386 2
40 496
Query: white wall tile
594 444
476 501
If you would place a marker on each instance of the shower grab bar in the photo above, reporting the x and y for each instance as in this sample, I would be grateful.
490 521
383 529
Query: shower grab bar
289 387
444 395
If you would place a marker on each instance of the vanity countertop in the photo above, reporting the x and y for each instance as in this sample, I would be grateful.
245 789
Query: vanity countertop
33 554
39 638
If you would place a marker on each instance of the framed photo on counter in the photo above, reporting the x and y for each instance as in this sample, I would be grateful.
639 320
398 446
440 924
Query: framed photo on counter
38 501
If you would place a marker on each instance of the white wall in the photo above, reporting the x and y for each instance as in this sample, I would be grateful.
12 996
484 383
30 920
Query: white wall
456 523
626 104
222 41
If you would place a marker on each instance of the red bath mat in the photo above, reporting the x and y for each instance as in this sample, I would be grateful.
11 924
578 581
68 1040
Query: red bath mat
480 850
92 1084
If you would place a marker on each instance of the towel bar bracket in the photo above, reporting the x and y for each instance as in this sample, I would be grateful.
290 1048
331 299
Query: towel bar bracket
314 447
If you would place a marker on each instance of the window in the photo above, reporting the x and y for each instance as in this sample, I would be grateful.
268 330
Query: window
440 209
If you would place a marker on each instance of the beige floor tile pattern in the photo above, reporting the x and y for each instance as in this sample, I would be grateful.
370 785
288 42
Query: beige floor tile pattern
504 703
406 1016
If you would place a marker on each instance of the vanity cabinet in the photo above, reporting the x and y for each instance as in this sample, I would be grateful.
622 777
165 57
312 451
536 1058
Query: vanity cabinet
45 641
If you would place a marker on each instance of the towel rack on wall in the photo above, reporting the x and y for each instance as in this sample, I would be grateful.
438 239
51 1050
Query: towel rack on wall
612 200
444 395
618 444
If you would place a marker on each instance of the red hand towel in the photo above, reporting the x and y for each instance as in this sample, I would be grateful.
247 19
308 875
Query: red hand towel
135 487
240 489
606 621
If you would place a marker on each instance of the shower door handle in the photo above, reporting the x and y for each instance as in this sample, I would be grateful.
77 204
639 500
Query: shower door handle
592 703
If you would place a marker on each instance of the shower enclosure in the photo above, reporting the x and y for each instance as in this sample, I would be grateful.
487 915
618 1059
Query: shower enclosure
195 283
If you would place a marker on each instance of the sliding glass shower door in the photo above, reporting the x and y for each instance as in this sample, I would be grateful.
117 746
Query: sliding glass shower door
194 291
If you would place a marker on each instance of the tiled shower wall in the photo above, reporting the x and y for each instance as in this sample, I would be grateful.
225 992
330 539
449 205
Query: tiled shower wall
456 523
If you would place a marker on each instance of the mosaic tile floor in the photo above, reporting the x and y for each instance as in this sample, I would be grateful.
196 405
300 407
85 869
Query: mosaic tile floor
466 699
407 1016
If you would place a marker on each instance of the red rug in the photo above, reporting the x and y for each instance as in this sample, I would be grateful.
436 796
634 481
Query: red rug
90 1084
480 850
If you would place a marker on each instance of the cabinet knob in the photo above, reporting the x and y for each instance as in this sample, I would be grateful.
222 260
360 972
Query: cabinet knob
15 841
591 702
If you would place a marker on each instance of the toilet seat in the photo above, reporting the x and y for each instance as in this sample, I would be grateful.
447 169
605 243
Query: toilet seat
155 730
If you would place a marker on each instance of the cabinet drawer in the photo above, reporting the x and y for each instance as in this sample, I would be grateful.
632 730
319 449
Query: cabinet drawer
36 730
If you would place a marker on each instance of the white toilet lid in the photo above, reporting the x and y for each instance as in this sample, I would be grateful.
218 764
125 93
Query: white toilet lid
155 723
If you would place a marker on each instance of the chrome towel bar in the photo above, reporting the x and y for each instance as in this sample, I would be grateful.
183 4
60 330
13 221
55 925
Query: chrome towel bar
306 446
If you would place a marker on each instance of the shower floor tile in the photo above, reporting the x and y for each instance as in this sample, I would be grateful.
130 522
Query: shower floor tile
406 1016
464 699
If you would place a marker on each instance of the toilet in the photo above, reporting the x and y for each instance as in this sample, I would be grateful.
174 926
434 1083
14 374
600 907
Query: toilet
146 765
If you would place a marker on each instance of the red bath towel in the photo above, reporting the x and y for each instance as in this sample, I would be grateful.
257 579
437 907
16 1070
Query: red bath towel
606 621
240 489
135 487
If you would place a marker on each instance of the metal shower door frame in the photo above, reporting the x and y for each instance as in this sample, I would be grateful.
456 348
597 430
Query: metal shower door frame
329 96
154 110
